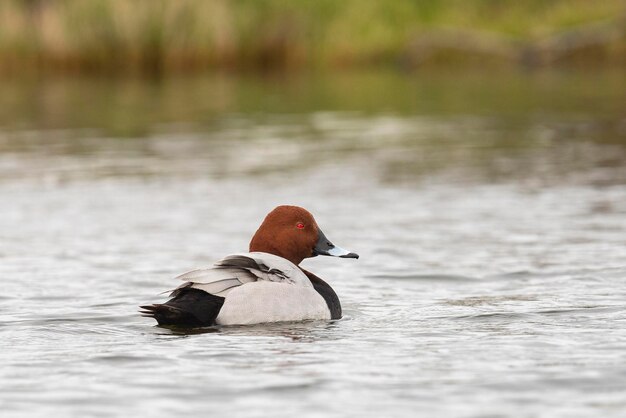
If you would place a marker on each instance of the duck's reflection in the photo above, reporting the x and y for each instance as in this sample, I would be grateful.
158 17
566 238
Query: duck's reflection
301 331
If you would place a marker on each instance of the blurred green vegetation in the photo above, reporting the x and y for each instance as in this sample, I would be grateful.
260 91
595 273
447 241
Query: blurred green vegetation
162 36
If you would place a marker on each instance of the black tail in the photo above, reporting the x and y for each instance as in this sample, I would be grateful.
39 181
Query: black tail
190 308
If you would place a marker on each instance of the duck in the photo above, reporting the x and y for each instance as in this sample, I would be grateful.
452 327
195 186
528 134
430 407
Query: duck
265 284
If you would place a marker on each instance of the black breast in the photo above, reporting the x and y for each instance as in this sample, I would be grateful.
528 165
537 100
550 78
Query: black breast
327 292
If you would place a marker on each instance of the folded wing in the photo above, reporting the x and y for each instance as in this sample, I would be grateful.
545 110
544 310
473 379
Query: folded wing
239 269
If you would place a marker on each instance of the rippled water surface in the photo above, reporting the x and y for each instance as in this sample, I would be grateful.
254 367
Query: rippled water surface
489 213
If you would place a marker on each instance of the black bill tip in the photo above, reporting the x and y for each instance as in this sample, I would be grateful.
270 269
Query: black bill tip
349 255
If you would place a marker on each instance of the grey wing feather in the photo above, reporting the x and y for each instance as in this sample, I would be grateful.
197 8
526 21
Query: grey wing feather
214 274
232 271
218 288
200 275
241 261
255 266
215 281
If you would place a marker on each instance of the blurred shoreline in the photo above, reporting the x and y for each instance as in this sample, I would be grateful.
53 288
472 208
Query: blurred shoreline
137 106
157 37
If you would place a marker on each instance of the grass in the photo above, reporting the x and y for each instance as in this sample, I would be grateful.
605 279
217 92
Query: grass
163 36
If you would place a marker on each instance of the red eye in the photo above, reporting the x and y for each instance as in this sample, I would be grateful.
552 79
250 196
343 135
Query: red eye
300 225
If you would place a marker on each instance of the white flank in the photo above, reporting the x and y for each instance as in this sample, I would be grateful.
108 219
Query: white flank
263 301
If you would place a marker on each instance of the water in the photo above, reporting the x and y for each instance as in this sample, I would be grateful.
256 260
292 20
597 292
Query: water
489 213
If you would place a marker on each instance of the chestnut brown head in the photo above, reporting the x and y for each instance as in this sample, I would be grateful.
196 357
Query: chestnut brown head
292 233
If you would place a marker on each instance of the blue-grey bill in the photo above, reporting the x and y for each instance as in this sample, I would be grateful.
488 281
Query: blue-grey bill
340 252
325 247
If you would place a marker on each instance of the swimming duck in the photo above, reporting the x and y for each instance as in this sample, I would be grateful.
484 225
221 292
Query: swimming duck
265 284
